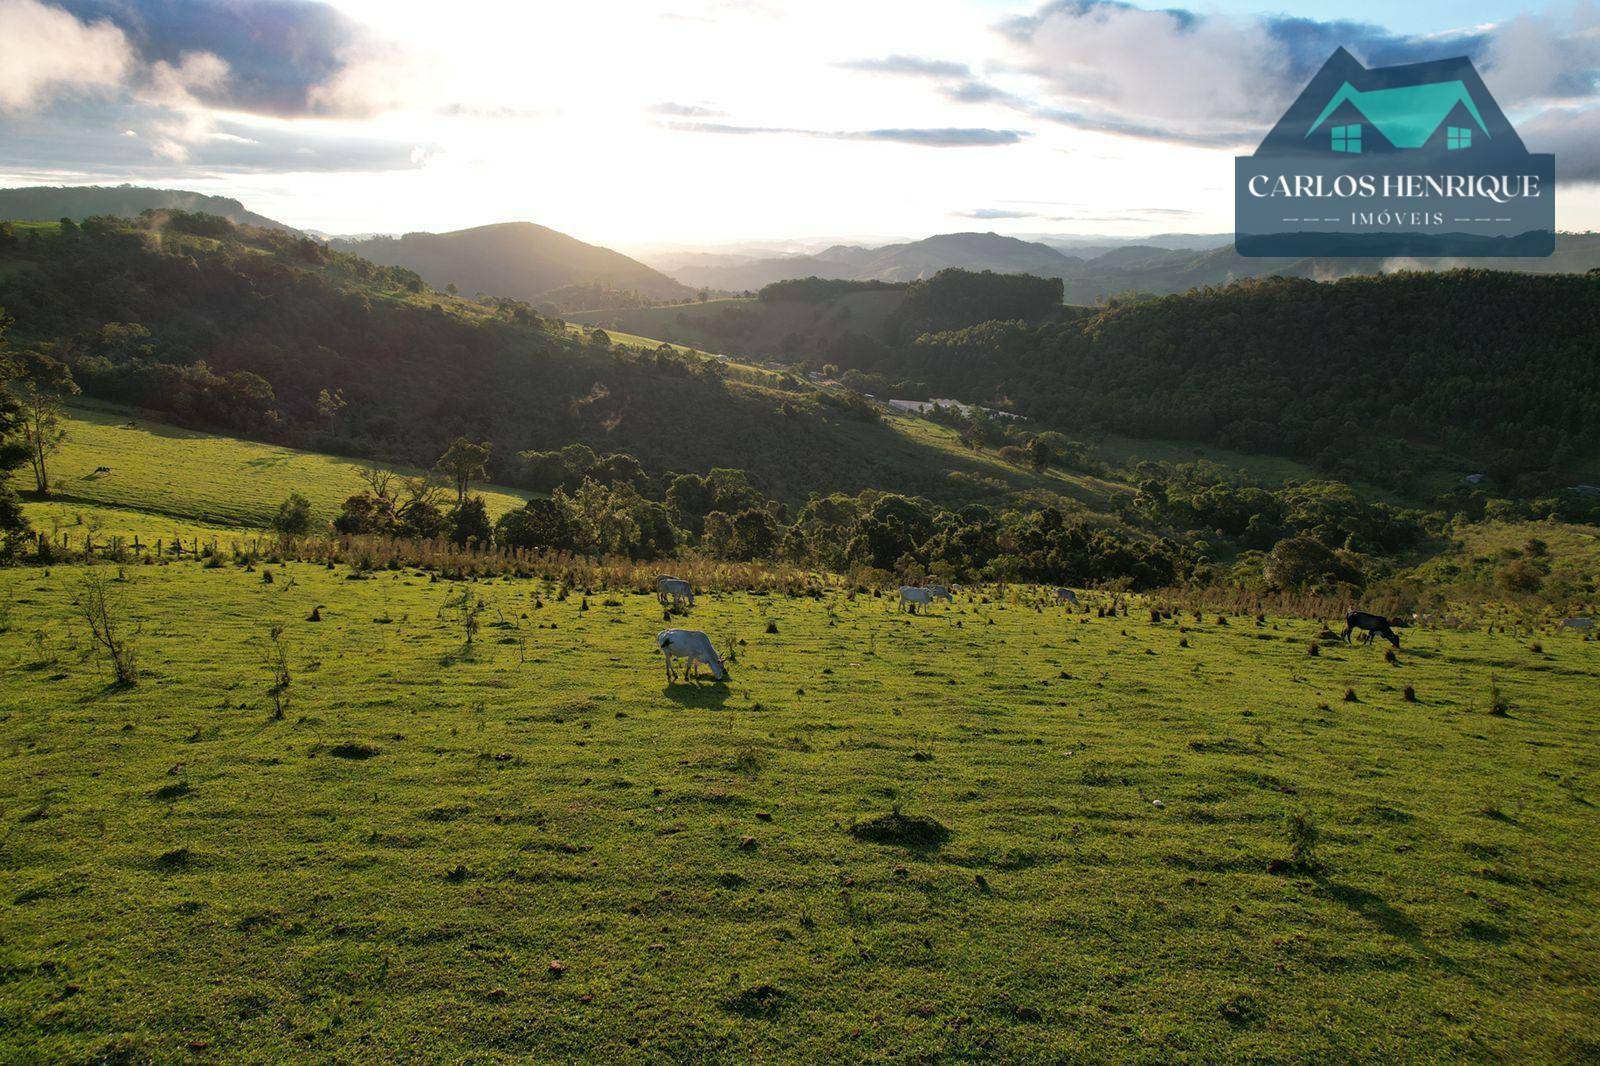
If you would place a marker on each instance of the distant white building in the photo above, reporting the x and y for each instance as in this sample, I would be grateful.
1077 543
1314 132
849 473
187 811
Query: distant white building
922 407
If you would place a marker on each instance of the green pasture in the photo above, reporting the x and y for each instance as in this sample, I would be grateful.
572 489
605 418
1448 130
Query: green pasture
533 847
211 480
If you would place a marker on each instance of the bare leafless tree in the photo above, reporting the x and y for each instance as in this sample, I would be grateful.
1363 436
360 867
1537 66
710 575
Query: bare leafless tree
275 657
379 481
103 613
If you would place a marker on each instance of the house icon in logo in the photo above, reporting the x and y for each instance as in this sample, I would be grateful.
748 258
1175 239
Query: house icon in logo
1407 117
1409 160
1347 109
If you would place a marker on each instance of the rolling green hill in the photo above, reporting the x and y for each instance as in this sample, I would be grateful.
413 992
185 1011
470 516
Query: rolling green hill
514 259
245 333
78 202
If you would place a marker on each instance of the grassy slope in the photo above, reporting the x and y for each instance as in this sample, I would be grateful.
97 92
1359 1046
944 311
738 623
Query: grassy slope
747 372
860 312
210 481
182 873
180 473
1266 469
1467 567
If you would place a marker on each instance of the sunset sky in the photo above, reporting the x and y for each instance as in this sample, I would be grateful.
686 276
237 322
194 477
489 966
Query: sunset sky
714 121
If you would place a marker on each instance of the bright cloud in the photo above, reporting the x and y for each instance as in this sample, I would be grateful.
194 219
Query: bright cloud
701 121
46 52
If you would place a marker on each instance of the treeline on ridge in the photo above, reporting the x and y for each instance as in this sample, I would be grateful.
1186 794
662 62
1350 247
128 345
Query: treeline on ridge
1362 376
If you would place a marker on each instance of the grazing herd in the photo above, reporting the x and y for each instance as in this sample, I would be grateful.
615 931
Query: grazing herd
696 648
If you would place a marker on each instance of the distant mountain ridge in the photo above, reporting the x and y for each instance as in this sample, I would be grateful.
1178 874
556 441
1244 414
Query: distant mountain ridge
47 203
520 260
1091 274
893 262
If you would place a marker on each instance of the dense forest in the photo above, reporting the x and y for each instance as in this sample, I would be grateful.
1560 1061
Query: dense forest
1362 375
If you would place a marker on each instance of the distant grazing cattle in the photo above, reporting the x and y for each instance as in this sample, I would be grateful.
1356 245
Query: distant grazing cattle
915 597
693 645
1372 624
940 592
1066 595
1577 623
102 470
677 588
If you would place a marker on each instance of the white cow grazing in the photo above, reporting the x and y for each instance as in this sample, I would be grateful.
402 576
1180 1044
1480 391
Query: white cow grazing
679 589
1066 595
915 597
1578 623
941 592
693 645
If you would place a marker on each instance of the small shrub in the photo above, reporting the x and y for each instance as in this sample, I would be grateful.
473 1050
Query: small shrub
1313 649
1499 706
1303 836
176 859
353 750
772 626
757 1001
905 830
1350 696
1410 694
172 791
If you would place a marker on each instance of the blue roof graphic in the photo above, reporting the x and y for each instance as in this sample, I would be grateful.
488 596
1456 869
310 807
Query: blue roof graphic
1407 115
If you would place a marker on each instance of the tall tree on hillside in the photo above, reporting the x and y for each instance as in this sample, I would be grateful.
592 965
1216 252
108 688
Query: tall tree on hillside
463 463
41 385
13 448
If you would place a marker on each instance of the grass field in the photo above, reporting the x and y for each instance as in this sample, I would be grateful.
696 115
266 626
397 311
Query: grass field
536 848
206 479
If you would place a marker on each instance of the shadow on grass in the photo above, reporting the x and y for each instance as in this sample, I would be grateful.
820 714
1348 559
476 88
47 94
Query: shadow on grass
706 695
1375 909
1383 914
109 688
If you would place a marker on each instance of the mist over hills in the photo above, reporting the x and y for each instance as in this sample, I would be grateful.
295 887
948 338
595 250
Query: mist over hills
520 260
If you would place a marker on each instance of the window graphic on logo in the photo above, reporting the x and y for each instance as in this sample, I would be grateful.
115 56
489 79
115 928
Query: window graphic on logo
1414 160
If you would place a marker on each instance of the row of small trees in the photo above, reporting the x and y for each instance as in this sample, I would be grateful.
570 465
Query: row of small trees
720 515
